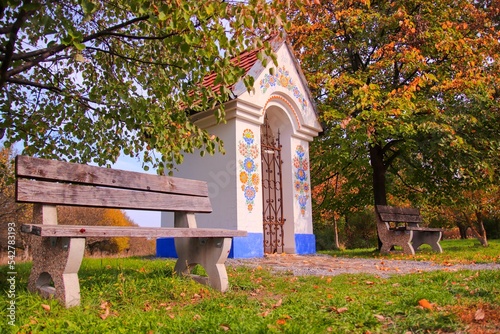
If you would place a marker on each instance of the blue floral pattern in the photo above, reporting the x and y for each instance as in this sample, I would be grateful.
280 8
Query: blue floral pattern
249 178
283 79
301 185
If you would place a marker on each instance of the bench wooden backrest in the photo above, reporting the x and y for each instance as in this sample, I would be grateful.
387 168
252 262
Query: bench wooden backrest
398 214
62 183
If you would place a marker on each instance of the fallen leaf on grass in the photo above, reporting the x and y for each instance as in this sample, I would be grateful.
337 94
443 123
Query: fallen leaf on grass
46 307
425 304
225 328
265 313
338 310
479 315
379 317
278 303
104 306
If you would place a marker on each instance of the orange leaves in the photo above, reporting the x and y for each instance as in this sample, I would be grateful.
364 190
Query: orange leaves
283 319
424 303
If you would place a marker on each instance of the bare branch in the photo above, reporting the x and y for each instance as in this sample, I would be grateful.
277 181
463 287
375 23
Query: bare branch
133 59
43 54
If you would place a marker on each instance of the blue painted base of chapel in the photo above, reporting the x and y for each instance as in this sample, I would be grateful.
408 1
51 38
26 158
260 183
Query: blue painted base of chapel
250 246
242 247
305 244
247 247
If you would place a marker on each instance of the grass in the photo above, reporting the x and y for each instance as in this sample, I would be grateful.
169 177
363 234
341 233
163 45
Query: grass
454 252
135 295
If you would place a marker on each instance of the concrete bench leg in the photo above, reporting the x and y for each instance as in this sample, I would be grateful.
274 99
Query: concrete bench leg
210 253
56 262
392 238
431 238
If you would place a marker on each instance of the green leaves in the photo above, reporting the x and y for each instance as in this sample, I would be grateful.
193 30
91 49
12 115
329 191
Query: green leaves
97 79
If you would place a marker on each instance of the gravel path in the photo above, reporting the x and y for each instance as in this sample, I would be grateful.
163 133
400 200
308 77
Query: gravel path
325 265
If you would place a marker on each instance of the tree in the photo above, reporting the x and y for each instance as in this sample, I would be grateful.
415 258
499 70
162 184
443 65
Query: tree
12 214
86 80
407 90
70 215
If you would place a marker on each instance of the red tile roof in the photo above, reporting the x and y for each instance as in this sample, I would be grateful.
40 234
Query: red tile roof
245 60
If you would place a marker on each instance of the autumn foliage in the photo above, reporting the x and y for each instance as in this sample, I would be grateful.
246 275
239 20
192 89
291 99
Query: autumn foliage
408 94
105 217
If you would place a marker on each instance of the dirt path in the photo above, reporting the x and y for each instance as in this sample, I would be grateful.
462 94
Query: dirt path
324 265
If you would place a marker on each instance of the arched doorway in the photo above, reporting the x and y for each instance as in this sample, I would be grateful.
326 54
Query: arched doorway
272 189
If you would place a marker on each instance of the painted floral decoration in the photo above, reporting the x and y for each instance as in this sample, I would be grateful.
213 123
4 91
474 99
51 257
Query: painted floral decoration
282 78
301 185
249 178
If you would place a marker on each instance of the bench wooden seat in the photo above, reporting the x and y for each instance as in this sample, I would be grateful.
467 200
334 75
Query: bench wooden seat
410 236
58 249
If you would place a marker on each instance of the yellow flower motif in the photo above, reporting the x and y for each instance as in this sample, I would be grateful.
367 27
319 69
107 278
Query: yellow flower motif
255 179
243 177
283 81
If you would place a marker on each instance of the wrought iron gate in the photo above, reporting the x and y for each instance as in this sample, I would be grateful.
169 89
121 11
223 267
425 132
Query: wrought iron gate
272 190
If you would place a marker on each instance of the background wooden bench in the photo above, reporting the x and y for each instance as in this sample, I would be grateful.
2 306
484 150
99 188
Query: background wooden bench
59 250
410 236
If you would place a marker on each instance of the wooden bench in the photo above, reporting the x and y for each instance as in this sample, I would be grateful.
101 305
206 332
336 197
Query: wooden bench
59 249
410 236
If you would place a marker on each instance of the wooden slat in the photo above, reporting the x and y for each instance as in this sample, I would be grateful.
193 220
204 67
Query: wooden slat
53 170
125 231
394 217
32 191
398 214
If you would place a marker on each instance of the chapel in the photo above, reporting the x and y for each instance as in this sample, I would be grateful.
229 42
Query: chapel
262 182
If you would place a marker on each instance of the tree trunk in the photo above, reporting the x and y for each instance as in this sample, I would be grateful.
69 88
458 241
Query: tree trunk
378 179
462 228
335 234
477 228
378 176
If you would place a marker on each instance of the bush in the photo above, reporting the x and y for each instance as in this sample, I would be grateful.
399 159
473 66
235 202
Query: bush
361 230
357 230
492 227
